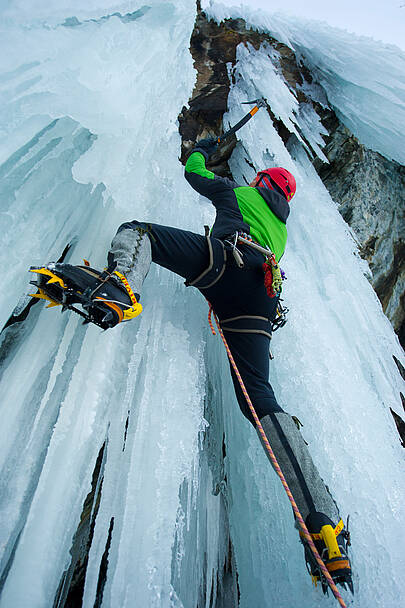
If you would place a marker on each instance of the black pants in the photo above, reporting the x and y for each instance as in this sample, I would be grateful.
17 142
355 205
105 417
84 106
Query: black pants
237 293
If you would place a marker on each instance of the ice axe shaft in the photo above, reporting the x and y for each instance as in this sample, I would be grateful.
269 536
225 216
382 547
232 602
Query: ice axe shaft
259 103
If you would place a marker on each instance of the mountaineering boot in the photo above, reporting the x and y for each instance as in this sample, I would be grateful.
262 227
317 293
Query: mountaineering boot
331 543
130 257
313 499
130 254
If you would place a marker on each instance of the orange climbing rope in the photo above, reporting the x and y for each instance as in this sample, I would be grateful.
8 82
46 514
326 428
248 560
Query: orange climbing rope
273 459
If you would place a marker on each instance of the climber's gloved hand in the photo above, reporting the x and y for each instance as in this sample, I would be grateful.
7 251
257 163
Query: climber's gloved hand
207 145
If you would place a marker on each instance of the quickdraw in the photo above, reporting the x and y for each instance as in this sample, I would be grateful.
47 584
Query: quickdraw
279 321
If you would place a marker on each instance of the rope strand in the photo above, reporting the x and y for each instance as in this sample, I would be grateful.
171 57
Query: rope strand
275 464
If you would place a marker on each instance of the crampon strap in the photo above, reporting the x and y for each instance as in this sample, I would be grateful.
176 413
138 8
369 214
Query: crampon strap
136 308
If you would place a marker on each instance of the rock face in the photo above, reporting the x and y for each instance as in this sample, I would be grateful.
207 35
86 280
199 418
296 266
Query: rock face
370 191
212 47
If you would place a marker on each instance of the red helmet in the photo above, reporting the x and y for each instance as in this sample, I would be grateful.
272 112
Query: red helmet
279 176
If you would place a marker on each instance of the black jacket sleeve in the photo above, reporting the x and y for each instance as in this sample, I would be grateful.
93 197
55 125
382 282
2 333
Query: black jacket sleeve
220 190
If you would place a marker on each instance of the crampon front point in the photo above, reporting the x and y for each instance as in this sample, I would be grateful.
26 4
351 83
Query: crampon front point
103 298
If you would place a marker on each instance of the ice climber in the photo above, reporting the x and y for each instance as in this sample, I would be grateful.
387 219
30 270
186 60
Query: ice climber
245 311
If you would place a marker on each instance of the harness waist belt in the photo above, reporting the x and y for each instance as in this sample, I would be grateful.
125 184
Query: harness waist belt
247 324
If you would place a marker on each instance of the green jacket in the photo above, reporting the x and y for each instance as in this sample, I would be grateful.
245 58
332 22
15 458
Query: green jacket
260 212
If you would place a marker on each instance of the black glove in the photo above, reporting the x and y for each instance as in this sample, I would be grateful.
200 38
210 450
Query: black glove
208 145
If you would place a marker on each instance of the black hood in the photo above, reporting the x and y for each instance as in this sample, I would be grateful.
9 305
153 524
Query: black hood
276 202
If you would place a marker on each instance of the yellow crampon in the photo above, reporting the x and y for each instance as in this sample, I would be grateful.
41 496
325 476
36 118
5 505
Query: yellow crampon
53 277
43 296
328 535
94 306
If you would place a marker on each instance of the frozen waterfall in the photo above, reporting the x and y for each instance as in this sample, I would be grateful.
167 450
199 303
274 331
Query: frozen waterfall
184 495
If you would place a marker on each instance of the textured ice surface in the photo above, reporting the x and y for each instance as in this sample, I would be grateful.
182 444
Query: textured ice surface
364 79
67 389
333 369
88 139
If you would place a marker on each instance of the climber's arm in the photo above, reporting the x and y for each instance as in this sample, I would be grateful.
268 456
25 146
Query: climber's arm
205 182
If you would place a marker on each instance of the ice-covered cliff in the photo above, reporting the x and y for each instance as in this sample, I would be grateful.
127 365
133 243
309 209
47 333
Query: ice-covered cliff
128 475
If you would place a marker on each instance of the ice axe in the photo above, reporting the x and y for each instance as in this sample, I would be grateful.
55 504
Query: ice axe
259 103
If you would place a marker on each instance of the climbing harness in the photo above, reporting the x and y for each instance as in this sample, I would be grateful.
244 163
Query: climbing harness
305 533
216 266
273 278
232 242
